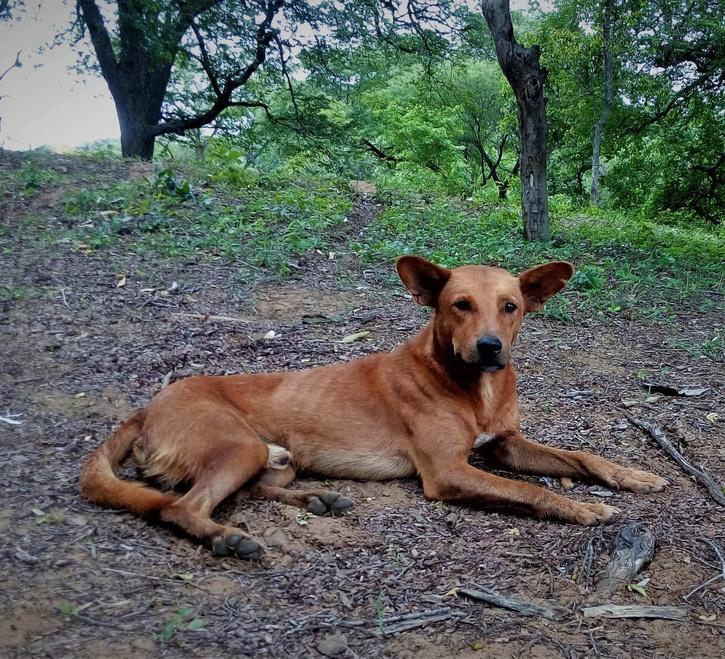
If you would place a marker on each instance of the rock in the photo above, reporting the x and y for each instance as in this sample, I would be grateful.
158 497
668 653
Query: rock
332 646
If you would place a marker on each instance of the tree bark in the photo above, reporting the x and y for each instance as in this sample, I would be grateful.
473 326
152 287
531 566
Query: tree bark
527 77
595 193
139 73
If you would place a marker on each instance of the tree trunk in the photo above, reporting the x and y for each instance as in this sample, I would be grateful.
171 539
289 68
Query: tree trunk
137 141
595 194
527 77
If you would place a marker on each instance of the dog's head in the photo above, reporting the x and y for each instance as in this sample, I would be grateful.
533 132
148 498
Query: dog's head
479 309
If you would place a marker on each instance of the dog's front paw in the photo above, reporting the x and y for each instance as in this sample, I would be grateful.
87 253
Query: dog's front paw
588 514
638 481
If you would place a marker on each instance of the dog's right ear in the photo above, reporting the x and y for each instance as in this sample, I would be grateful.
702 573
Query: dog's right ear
425 280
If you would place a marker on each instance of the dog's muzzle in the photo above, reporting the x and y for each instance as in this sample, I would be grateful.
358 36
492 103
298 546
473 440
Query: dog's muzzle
490 353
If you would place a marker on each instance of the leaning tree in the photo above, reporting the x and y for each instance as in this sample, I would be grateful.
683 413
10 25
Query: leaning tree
137 44
527 77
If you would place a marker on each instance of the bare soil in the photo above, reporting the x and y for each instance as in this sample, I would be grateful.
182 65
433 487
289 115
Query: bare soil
79 353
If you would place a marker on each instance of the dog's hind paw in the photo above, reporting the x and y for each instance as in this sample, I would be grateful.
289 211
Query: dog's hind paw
237 544
331 503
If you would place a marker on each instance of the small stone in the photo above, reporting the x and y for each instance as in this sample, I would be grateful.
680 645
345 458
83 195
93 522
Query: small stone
332 646
77 520
19 459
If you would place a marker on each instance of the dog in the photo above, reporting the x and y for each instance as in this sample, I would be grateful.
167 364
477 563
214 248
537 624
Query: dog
416 411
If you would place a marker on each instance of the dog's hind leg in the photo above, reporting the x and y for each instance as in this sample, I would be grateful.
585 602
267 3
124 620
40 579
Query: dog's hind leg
232 465
273 482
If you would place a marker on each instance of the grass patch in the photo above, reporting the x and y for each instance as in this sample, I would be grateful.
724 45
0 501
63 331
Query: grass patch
222 210
625 264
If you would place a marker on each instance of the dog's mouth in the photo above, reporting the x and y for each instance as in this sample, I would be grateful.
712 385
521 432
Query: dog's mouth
484 367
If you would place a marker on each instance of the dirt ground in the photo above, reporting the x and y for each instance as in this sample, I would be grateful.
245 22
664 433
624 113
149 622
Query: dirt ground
79 352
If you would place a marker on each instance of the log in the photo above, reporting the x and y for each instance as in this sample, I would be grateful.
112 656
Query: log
636 611
633 548
520 606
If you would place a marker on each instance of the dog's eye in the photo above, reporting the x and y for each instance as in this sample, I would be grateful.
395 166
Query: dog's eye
510 307
463 305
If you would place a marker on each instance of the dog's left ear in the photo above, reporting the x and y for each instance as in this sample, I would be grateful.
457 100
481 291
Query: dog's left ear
540 283
425 280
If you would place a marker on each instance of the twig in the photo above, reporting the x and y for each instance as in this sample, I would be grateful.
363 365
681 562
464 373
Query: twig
412 621
212 319
703 477
525 608
717 577
636 611
11 419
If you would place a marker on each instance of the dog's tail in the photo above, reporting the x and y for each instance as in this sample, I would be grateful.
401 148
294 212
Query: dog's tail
100 484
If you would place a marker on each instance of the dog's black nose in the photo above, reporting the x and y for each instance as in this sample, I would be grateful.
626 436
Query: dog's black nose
489 346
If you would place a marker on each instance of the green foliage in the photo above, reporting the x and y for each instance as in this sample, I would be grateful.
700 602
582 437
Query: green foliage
263 223
32 176
182 619
626 263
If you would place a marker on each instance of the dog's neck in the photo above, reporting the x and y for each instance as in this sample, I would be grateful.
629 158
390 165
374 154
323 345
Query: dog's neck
438 352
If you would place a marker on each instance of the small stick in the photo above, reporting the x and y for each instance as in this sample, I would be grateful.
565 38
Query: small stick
636 611
413 624
703 477
716 549
212 319
413 616
525 608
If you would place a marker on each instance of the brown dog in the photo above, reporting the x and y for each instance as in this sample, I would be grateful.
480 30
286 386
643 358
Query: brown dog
417 410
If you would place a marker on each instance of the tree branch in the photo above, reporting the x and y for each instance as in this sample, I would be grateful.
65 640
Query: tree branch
16 64
264 37
101 40
676 101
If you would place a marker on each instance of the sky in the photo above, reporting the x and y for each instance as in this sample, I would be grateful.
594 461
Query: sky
46 102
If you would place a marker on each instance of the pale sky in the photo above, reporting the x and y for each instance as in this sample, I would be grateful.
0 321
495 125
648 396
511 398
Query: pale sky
45 102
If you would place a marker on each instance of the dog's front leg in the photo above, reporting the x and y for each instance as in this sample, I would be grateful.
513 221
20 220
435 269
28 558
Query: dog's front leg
456 480
513 451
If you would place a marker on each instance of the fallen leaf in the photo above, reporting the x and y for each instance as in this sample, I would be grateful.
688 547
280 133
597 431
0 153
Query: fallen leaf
182 576
121 281
358 336
270 335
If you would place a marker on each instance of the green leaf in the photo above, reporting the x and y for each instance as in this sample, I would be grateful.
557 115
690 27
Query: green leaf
196 624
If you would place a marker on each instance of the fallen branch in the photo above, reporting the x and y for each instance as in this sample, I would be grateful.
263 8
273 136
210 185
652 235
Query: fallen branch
633 548
412 621
520 606
703 477
636 611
